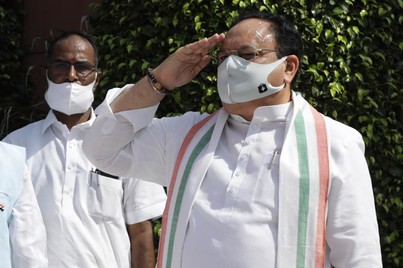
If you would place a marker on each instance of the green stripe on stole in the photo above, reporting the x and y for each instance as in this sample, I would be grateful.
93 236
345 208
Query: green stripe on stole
303 164
193 156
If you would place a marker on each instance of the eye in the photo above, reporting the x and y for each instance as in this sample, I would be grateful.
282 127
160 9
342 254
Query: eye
60 67
247 56
83 67
222 55
247 53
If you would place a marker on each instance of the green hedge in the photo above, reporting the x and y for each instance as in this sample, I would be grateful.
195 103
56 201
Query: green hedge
351 71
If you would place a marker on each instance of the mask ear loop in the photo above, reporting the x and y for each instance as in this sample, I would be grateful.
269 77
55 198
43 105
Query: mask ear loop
283 59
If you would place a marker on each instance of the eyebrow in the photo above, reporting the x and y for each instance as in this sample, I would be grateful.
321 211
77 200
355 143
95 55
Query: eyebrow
241 47
80 61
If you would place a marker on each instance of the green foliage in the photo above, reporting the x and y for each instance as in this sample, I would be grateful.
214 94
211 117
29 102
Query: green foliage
351 71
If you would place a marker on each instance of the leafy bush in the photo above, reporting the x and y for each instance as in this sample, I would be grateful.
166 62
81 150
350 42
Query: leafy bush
351 71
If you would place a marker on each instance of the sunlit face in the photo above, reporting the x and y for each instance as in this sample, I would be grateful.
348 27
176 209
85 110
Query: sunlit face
256 34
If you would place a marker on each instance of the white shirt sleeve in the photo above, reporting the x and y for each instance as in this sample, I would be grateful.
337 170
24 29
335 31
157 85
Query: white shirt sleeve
352 229
142 200
107 143
27 230
134 144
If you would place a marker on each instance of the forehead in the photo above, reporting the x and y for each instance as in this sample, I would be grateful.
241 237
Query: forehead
73 48
250 32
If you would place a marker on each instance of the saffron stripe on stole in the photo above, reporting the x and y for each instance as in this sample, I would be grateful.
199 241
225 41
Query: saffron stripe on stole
303 164
189 137
323 188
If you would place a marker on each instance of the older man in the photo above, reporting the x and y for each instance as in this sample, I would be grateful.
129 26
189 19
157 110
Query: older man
267 181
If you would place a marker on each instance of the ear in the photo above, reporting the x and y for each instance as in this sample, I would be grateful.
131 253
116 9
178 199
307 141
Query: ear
291 68
99 76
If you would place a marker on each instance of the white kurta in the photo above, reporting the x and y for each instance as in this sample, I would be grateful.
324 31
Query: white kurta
351 230
25 242
239 195
85 214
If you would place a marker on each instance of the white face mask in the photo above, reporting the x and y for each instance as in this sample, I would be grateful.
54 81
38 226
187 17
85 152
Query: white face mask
239 80
69 98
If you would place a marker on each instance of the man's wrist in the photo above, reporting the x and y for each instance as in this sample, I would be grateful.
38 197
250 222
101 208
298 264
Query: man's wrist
155 84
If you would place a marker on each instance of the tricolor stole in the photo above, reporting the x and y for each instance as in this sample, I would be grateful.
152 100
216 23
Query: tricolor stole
301 233
304 187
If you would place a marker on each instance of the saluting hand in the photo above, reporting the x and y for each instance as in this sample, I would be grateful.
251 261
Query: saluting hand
186 62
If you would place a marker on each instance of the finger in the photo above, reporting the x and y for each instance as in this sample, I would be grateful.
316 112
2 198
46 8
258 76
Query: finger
189 73
206 60
204 45
215 40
